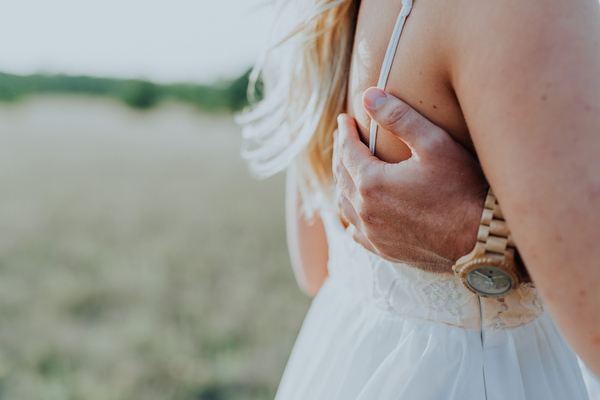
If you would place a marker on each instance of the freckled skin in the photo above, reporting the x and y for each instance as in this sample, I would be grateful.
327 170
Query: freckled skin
559 239
427 91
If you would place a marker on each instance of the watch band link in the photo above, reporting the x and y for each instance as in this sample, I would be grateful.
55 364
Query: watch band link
493 232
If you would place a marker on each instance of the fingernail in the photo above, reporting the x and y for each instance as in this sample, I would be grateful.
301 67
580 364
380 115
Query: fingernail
374 98
340 119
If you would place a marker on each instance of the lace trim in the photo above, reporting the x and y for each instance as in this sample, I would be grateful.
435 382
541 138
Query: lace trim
412 292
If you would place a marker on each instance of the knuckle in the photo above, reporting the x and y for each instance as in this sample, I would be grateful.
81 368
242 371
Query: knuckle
365 187
437 143
363 214
366 215
342 147
344 205
396 115
336 167
369 187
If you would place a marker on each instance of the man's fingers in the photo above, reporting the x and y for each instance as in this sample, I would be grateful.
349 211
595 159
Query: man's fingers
344 181
361 239
347 210
353 153
397 117
350 216
342 178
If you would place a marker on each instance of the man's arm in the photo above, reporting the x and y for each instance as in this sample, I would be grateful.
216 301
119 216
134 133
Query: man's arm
527 76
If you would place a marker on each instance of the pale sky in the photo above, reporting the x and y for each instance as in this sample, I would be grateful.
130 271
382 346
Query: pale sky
163 40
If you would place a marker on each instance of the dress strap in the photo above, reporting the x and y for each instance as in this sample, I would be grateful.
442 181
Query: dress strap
387 62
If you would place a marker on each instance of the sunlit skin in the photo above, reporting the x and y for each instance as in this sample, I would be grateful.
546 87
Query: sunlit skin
525 75
417 74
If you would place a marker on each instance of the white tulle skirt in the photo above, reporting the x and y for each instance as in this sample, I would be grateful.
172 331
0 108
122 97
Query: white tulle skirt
369 336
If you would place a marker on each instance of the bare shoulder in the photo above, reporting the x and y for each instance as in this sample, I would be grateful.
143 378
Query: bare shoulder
419 70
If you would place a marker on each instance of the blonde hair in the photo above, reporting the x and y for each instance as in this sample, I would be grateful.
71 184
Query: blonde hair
305 78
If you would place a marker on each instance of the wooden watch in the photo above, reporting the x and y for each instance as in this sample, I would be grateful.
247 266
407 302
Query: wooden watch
493 268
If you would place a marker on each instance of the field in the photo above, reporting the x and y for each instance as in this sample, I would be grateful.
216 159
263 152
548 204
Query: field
138 258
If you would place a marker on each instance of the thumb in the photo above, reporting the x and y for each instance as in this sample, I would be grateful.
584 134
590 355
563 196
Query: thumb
400 119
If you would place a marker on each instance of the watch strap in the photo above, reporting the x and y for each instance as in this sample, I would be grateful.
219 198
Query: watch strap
494 237
493 232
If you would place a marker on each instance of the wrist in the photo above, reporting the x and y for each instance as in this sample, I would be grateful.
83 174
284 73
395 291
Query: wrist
466 237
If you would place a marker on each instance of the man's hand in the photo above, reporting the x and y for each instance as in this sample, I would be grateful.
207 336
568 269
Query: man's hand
424 211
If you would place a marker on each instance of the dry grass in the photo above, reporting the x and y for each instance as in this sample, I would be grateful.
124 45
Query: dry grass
138 259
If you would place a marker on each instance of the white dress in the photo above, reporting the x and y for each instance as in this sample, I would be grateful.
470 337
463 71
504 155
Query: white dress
381 331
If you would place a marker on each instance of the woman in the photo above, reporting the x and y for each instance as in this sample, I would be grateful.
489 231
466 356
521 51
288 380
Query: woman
384 330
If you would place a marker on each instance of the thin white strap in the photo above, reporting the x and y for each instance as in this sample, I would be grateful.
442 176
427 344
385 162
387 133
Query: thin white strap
387 62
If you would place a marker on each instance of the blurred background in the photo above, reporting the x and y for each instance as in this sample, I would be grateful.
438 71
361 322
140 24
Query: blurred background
138 258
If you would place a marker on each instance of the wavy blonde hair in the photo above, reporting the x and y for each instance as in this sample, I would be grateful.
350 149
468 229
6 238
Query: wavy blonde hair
305 82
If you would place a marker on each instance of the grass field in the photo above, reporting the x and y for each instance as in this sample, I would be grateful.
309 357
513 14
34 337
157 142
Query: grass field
138 259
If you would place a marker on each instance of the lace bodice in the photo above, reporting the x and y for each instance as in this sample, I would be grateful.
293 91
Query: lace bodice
412 292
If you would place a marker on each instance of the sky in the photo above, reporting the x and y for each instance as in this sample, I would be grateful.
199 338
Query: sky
161 40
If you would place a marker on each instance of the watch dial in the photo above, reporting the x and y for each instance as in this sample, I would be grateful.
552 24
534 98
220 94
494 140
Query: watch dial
489 280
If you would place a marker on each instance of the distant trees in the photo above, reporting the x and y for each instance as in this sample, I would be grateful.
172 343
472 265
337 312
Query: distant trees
142 95
138 94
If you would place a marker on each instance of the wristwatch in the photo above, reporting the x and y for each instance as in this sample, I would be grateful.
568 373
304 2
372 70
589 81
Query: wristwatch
493 268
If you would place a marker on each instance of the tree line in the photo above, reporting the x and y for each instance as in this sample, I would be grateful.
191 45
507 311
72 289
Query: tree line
139 94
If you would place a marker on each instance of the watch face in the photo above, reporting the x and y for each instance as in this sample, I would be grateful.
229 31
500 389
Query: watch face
489 280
